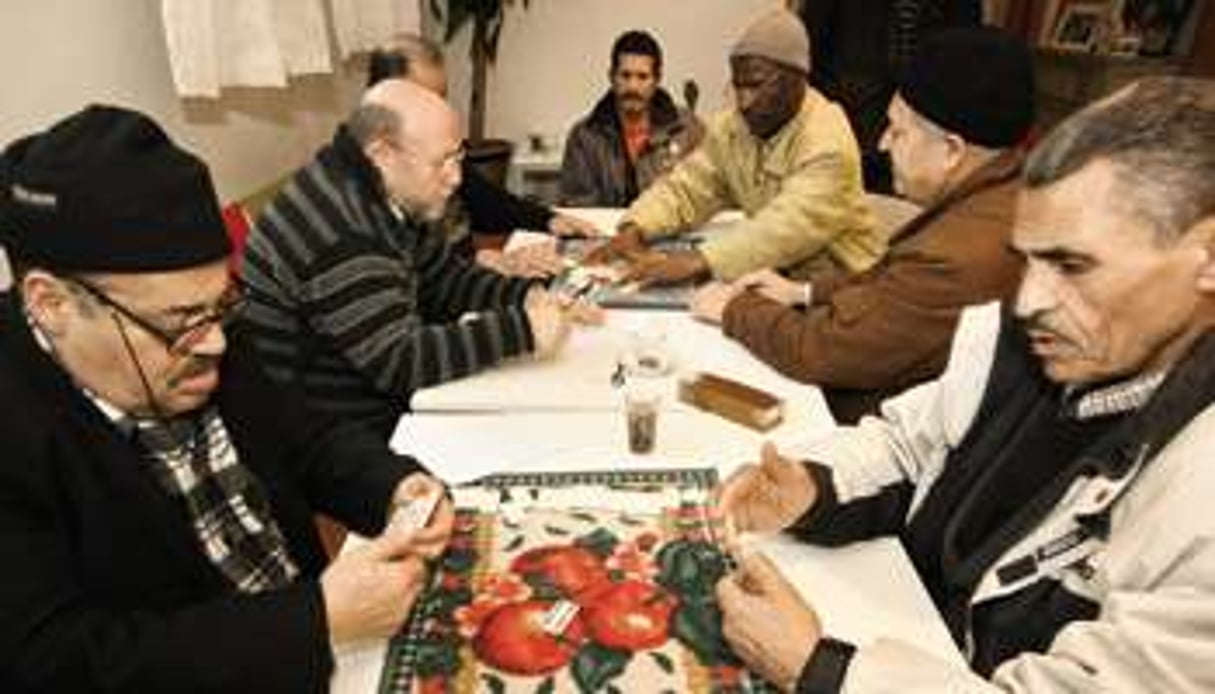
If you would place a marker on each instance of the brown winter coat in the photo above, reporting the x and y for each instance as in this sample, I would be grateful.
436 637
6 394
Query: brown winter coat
873 334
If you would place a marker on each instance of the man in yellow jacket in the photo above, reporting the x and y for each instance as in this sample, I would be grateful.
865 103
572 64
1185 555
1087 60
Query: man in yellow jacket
784 154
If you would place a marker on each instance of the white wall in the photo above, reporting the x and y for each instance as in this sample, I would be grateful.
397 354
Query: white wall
554 56
58 55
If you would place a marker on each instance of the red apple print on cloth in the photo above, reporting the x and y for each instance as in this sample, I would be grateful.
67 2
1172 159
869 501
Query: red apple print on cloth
631 615
513 640
496 590
632 560
577 572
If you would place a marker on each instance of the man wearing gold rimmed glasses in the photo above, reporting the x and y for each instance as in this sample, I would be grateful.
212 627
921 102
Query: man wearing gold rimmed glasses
156 490
358 300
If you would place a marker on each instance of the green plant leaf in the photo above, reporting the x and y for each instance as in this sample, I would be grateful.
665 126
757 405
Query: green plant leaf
663 661
437 656
691 569
698 626
600 542
458 560
493 683
595 665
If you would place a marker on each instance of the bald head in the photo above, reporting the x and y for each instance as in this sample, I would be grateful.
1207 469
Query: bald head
420 113
413 138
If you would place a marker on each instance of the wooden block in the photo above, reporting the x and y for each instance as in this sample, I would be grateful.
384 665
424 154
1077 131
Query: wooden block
735 401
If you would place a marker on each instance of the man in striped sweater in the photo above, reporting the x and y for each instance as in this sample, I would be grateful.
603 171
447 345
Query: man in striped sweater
356 300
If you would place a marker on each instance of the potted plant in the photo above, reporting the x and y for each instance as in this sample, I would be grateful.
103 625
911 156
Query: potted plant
492 156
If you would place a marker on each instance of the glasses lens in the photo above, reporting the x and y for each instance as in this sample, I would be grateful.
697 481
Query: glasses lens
223 315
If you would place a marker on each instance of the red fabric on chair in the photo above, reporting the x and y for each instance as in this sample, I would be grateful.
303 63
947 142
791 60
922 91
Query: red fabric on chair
237 224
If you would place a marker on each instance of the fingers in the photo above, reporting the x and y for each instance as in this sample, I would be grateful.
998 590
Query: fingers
730 595
734 496
757 574
392 544
779 469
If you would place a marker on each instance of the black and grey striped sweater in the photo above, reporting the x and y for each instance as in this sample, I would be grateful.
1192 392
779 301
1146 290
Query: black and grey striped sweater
358 308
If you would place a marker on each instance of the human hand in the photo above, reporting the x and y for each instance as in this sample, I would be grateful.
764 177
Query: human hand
431 539
666 268
627 243
549 321
709 302
530 261
767 497
568 225
1206 275
369 591
583 312
773 286
766 621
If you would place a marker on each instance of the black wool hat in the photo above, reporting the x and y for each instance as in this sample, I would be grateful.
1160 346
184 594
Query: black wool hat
976 82
105 190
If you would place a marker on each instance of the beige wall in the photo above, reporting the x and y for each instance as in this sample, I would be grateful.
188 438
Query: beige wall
58 55
554 55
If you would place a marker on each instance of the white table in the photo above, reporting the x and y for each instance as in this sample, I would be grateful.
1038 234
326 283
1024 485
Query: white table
564 414
862 592
579 377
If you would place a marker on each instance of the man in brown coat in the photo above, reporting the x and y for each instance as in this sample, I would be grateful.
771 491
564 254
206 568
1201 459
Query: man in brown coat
953 141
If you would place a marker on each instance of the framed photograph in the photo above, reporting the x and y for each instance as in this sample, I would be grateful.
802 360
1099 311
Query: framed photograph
1157 23
1078 26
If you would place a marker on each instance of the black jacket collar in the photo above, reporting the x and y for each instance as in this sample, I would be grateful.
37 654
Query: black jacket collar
663 112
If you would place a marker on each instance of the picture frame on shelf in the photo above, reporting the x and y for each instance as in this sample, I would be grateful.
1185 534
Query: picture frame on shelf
1078 26
1157 23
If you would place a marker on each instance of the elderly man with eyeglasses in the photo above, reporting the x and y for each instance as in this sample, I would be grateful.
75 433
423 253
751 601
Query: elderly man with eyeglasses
156 490
358 299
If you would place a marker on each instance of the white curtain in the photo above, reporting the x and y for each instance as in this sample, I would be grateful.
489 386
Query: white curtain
247 43
361 25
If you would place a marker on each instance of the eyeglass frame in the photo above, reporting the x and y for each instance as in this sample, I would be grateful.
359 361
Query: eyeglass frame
182 340
455 158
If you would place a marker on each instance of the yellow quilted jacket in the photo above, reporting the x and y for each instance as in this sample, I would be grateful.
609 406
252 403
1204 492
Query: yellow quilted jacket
801 191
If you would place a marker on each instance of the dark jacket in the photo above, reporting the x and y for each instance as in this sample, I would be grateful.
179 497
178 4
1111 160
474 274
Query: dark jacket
105 586
495 210
874 333
596 171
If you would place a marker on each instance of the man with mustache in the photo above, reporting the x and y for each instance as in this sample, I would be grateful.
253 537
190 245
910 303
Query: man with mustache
1053 486
157 491
784 154
634 134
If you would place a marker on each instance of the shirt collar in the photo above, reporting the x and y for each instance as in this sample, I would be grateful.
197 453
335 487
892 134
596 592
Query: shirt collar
1116 398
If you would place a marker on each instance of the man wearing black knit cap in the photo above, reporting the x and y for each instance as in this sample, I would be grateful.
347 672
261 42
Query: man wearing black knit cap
156 491
953 141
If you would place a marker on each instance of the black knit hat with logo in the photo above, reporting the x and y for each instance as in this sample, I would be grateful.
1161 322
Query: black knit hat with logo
105 190
976 82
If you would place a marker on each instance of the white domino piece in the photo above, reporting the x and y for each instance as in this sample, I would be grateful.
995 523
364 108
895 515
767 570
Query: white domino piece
414 513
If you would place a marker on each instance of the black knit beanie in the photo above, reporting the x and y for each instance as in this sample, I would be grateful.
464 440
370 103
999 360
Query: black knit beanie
977 82
105 190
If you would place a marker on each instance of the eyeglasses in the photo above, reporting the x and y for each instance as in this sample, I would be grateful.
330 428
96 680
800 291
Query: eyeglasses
454 158
181 340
